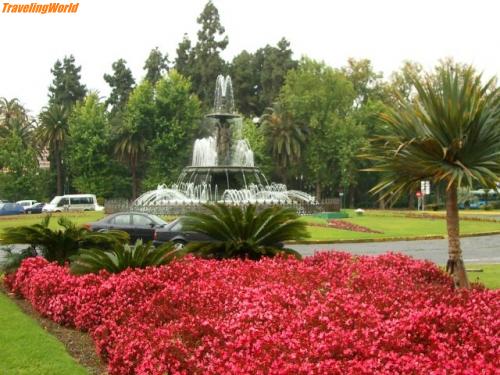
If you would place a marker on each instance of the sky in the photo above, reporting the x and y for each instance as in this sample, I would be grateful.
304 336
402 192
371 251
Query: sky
102 31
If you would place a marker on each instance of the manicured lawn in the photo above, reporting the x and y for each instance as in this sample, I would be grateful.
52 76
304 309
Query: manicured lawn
394 227
490 276
77 217
25 348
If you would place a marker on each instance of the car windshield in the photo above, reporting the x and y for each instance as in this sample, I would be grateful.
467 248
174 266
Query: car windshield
55 200
157 220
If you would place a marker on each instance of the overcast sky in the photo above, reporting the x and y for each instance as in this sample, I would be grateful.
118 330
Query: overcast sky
385 31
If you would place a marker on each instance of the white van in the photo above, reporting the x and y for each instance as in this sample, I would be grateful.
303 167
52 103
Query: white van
73 202
27 204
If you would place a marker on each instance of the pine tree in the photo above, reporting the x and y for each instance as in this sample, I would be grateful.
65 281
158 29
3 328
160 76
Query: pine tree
207 62
155 66
121 82
66 88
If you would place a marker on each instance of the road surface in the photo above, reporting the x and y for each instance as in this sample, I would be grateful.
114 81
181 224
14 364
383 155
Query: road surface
482 249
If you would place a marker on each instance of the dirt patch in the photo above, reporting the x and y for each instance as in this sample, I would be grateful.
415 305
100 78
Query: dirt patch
78 344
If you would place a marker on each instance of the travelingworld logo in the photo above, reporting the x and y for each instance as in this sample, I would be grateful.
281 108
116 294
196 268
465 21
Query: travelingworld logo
40 8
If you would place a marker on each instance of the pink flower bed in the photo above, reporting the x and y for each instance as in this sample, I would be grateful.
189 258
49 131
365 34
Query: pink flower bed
346 225
329 314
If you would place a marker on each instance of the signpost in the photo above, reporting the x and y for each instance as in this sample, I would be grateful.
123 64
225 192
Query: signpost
425 189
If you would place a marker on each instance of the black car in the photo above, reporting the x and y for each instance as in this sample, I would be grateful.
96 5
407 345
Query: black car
35 209
174 232
138 225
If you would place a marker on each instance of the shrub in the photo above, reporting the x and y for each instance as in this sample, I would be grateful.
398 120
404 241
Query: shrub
122 257
332 313
60 244
242 232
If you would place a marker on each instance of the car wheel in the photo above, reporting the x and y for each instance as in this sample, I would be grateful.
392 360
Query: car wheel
179 244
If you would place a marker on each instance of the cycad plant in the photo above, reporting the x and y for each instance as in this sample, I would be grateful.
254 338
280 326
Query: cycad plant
122 257
449 134
61 243
243 232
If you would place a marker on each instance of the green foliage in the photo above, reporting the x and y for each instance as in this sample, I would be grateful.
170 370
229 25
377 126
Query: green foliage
206 62
242 232
120 258
258 77
178 114
66 88
10 261
59 244
258 143
89 155
156 66
285 137
121 83
449 133
321 98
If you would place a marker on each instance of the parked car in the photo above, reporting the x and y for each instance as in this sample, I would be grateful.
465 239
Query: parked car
73 202
11 209
138 225
174 232
35 209
27 203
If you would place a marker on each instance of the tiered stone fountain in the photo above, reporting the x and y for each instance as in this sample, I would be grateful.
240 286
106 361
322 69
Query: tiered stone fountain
222 168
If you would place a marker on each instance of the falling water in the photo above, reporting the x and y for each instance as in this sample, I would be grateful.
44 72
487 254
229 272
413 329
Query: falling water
204 152
242 155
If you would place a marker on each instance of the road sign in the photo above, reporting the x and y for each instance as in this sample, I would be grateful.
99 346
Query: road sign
425 187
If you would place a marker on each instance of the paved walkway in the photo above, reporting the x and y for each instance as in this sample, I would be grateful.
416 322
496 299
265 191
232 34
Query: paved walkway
483 249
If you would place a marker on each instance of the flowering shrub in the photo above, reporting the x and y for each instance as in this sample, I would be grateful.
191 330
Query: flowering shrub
346 225
332 313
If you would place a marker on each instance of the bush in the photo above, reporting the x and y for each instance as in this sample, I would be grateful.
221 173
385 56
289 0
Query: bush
242 232
332 313
122 257
62 243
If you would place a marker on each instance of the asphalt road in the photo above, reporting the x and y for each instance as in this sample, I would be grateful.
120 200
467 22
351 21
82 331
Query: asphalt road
483 249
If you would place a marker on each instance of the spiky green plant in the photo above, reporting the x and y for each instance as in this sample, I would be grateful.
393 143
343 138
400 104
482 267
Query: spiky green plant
450 133
120 258
243 232
61 243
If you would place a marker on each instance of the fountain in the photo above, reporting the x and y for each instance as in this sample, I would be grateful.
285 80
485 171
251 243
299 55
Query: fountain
222 168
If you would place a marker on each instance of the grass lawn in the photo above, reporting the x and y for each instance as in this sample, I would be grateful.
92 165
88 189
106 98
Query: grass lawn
77 217
393 227
25 348
490 275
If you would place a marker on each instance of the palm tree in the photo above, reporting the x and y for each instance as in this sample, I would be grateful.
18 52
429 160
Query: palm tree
54 132
450 133
60 244
286 136
14 120
242 232
130 148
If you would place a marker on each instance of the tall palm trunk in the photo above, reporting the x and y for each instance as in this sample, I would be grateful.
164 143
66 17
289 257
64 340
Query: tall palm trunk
455 265
133 168
59 178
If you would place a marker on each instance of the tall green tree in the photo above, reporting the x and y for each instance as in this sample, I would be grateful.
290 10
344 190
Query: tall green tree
66 88
321 97
90 163
14 119
258 77
449 133
183 61
121 82
156 65
53 132
177 118
207 63
285 136
138 128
